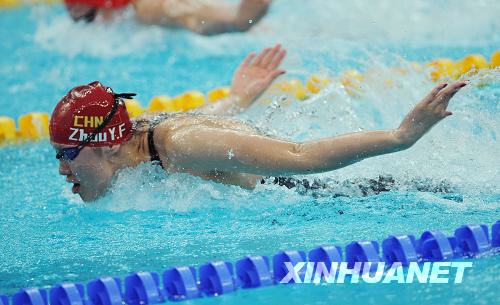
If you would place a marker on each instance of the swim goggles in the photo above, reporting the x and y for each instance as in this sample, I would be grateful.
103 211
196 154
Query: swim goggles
70 153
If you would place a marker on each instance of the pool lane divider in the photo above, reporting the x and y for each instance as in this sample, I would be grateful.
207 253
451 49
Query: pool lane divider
220 277
34 126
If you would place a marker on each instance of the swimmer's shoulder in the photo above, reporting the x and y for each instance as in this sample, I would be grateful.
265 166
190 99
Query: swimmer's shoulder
165 12
167 123
149 11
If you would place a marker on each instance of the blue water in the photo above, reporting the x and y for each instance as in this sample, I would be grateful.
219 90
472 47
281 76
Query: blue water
151 220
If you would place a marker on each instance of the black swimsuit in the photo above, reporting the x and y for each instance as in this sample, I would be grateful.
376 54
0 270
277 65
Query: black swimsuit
155 157
363 187
153 153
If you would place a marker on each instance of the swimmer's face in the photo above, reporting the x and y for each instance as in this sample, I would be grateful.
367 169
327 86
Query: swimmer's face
90 172
82 11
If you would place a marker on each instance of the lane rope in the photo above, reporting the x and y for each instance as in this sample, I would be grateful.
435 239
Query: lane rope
222 277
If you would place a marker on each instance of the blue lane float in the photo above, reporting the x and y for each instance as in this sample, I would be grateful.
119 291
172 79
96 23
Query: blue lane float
326 254
253 271
4 300
363 252
180 283
400 249
143 288
219 277
472 239
30 296
105 291
67 294
495 234
279 263
434 246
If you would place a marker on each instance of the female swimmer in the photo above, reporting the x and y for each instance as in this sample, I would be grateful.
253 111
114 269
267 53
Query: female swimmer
94 137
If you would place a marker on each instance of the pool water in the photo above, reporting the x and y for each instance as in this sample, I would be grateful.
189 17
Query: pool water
151 221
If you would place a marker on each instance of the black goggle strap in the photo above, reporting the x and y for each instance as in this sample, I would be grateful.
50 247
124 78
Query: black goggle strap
124 95
117 99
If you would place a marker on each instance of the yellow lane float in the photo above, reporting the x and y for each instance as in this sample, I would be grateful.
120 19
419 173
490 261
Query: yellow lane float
293 87
7 129
351 80
34 126
472 62
134 108
443 68
315 83
217 94
495 59
9 3
5 4
189 100
162 104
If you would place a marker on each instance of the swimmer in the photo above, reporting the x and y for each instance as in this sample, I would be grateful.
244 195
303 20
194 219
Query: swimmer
200 16
94 137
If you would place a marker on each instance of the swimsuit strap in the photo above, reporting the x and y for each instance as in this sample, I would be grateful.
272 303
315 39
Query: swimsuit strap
155 157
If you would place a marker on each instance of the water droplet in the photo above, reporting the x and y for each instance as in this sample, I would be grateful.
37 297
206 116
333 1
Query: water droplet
230 154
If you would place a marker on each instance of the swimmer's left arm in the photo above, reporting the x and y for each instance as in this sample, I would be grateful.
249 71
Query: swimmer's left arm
208 149
254 75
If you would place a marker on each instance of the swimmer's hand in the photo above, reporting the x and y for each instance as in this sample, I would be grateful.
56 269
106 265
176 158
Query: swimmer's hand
255 74
251 79
431 110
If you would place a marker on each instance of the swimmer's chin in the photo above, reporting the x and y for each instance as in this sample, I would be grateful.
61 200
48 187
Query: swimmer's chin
89 197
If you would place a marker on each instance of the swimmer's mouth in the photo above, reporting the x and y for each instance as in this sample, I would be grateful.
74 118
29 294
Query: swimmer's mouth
75 188
76 183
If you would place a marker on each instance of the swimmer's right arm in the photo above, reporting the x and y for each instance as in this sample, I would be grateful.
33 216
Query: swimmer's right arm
209 149
196 16
254 75
202 17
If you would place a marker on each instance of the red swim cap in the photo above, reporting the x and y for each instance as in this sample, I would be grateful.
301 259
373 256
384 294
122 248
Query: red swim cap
82 110
101 3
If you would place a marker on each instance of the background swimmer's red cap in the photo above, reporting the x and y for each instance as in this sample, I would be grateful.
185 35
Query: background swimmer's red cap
101 3
82 110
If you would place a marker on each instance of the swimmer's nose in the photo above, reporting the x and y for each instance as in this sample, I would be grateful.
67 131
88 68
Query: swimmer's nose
64 168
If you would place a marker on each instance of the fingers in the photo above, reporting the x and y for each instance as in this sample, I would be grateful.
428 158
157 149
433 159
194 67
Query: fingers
432 95
456 87
271 76
277 59
444 96
248 59
266 60
270 58
442 100
260 57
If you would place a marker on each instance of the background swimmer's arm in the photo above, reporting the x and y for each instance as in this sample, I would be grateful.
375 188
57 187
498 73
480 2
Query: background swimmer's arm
254 75
194 15
206 18
206 149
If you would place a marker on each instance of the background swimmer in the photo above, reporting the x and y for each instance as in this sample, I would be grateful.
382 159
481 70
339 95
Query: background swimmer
208 143
200 16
